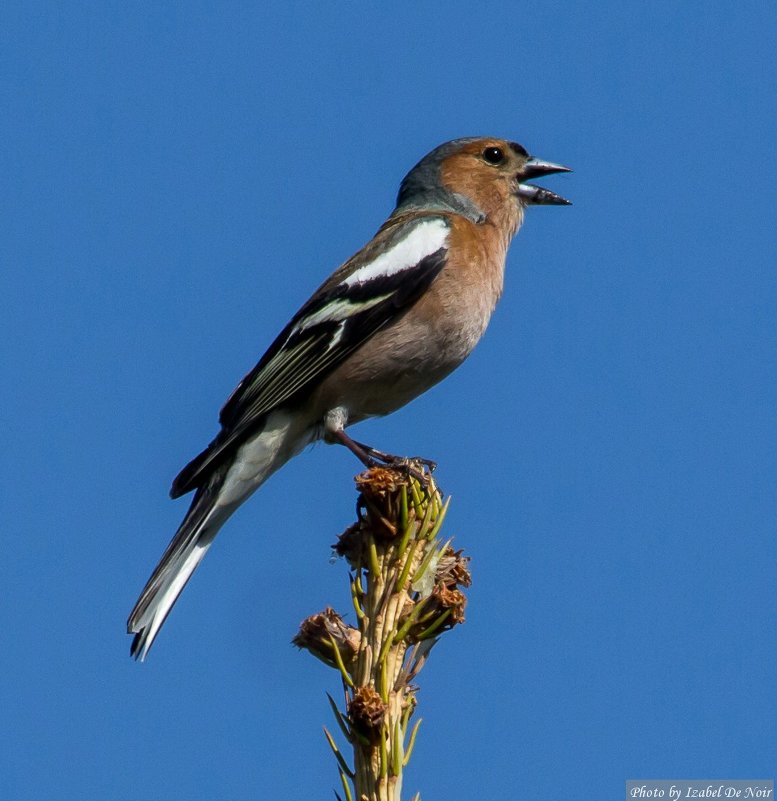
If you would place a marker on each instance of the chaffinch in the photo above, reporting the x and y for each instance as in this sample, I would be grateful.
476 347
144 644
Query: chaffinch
387 325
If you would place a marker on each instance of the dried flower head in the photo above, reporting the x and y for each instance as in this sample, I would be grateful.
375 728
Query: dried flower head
453 569
377 482
366 711
350 545
380 495
317 634
441 611
453 600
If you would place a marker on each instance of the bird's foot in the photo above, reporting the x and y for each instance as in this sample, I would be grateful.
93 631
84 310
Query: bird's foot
406 464
415 466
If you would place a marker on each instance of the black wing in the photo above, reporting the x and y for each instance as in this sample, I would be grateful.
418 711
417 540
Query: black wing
326 330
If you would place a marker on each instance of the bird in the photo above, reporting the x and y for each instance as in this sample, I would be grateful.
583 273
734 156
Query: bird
388 324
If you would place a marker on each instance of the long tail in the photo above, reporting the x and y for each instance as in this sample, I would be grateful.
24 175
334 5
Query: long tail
175 568
227 487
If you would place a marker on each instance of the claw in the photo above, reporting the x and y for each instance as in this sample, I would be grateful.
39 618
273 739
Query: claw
429 464
408 466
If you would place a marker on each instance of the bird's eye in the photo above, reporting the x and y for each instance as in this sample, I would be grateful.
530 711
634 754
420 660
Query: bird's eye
494 155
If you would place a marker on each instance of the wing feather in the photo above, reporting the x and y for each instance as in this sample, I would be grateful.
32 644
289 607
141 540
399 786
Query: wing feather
334 323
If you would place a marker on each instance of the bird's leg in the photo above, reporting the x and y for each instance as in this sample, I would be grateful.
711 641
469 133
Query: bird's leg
362 453
371 457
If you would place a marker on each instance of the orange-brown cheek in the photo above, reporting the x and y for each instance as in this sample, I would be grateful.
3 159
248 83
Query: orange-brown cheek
487 189
458 175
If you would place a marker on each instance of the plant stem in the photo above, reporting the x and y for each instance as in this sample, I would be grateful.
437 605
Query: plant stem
405 588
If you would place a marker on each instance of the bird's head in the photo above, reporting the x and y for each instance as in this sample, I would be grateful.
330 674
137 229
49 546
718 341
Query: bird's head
480 177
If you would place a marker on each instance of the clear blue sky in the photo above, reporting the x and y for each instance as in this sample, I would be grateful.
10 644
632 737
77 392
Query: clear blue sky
177 179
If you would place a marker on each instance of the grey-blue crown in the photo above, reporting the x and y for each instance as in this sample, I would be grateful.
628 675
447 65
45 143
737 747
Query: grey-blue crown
422 188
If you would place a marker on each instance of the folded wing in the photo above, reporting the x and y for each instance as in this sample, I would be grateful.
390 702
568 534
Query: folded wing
367 293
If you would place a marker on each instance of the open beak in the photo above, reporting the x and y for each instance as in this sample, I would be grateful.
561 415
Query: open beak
536 195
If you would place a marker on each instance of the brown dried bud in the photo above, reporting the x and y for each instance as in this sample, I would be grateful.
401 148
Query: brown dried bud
366 712
452 599
445 607
378 509
379 500
317 632
453 569
350 545
377 482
